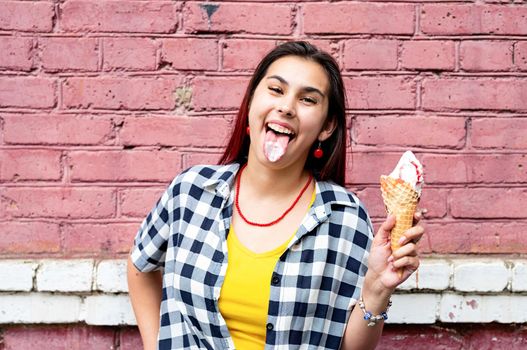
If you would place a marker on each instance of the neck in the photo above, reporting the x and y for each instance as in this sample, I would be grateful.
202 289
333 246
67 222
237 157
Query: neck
266 181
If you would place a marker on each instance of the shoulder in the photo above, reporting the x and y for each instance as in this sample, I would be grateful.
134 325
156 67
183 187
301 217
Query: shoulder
201 176
344 204
335 194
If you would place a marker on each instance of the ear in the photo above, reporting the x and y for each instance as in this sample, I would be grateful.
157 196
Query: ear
327 130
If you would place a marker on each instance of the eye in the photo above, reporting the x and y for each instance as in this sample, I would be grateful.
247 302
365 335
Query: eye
275 89
309 100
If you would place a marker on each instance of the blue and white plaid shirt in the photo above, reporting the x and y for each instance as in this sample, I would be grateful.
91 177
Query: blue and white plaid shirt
315 283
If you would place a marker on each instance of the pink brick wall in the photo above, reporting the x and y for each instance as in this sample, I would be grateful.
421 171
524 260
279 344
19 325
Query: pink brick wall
103 102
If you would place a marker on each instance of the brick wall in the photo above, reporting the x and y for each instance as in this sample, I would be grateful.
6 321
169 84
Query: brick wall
103 102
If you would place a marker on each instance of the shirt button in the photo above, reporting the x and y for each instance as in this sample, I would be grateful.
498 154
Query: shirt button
275 280
269 326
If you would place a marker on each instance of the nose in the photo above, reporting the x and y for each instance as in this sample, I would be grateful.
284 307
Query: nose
286 109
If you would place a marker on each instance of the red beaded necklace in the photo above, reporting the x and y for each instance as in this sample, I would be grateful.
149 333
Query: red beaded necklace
252 223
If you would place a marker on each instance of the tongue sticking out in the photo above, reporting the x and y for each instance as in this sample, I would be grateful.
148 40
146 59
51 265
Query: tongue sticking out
275 145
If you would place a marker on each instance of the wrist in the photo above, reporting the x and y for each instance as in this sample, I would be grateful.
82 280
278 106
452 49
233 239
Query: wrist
376 296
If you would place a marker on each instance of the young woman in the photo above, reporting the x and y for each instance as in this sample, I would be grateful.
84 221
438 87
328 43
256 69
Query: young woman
268 249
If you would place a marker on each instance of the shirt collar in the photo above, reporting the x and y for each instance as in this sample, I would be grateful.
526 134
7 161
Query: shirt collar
222 180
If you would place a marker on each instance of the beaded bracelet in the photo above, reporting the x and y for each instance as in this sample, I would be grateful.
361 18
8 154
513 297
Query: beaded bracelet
373 319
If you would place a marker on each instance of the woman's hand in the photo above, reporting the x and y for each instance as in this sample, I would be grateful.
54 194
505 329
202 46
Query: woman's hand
384 265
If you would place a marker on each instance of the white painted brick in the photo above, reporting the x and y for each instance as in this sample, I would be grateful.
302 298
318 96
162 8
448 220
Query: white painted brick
481 276
434 274
17 275
483 308
65 275
410 283
111 276
414 308
39 308
519 276
110 310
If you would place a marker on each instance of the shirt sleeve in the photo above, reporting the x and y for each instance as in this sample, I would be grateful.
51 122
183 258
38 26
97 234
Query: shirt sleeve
150 244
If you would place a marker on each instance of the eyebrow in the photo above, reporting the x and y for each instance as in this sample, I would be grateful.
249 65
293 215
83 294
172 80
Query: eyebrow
304 88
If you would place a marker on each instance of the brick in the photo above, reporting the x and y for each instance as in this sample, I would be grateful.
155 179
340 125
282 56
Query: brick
129 54
409 284
433 199
434 274
488 203
69 54
189 53
250 18
20 165
119 16
421 337
494 133
456 19
428 54
26 16
124 165
39 308
111 276
459 237
17 53
65 275
380 93
520 55
38 92
473 94
108 239
17 275
492 337
519 276
218 93
483 55
66 202
59 337
491 168
414 308
410 131
130 339
357 18
367 168
196 158
120 93
29 237
176 131
109 310
370 54
483 308
481 276
137 202
243 54
54 129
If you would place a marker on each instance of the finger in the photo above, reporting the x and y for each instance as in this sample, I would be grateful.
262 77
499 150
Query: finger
409 249
383 234
408 262
413 234
419 214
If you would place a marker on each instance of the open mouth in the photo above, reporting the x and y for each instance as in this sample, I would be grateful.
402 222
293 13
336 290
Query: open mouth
280 130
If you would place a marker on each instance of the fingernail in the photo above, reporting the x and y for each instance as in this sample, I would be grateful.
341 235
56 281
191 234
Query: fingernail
390 258
402 240
424 210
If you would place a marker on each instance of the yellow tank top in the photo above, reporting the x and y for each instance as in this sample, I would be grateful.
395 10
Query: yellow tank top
244 296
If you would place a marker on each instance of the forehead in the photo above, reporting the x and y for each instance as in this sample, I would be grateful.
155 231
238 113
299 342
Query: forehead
300 72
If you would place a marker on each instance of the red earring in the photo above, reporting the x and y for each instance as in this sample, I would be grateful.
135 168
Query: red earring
248 130
318 152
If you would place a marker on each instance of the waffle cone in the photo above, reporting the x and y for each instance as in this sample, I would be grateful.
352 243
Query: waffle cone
400 200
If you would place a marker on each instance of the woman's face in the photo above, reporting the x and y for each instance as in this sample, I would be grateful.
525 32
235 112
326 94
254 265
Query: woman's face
288 112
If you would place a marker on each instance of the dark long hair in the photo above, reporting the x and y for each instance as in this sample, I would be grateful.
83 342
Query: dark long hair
332 165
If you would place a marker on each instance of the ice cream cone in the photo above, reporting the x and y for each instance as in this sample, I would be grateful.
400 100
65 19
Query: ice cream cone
400 200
